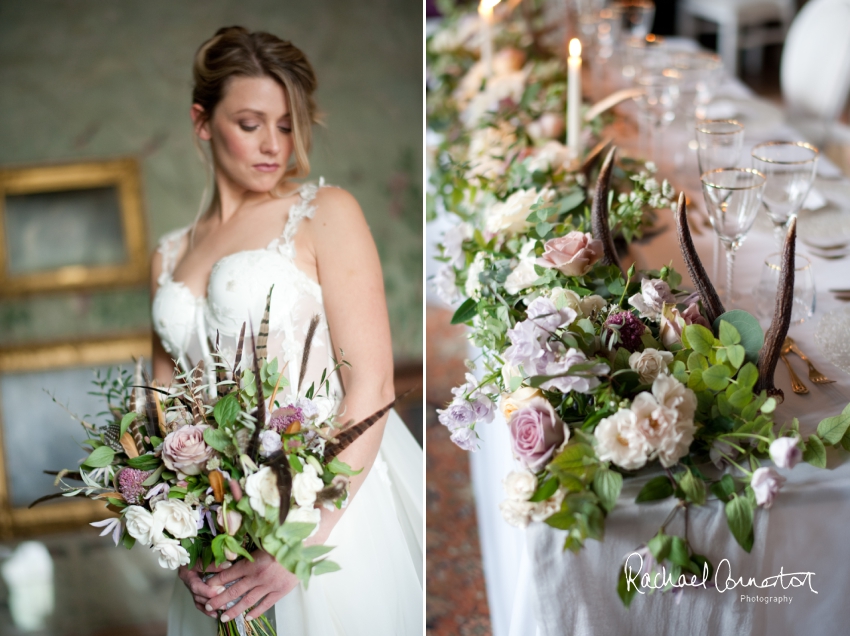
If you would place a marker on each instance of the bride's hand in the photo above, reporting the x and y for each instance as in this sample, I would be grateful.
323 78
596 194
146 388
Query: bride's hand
263 583
201 592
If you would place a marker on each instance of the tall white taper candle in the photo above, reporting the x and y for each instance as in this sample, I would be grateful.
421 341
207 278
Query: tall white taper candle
574 99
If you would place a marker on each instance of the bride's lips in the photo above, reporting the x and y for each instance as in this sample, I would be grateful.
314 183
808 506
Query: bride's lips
267 167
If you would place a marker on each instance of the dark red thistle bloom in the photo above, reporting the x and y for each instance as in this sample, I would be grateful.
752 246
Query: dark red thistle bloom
628 329
130 484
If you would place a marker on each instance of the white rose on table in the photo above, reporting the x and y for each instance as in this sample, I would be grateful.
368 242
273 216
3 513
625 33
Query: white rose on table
179 518
510 215
516 513
766 483
649 363
171 554
620 440
305 485
261 488
142 526
785 453
520 484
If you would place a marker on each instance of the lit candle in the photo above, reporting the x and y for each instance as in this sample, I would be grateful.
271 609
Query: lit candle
485 10
574 99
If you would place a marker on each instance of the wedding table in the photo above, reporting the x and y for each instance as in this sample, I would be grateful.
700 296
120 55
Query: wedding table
804 532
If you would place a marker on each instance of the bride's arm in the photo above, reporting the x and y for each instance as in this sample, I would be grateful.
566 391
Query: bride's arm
163 366
353 293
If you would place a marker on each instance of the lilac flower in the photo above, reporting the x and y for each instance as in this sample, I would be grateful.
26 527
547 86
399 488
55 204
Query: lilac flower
766 483
270 442
543 313
484 408
580 382
629 327
459 414
784 452
717 450
112 525
465 438
130 484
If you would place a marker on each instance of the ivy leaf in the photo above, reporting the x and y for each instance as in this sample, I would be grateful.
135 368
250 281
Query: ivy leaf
679 552
466 312
655 489
660 546
739 515
694 489
752 336
728 334
748 375
545 490
626 589
607 485
736 354
832 429
716 377
700 339
815 452
724 489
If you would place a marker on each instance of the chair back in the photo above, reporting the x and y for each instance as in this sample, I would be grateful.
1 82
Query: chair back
815 67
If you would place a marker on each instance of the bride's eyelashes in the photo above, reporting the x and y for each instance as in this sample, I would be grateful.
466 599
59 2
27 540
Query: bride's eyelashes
249 128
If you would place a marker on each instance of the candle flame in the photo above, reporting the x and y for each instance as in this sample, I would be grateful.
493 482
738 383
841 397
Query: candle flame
575 48
486 6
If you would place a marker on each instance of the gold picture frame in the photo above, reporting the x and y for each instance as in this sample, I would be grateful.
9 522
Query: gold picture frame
95 191
17 520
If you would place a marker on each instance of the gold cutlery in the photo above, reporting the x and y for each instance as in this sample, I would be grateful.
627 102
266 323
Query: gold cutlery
796 383
814 375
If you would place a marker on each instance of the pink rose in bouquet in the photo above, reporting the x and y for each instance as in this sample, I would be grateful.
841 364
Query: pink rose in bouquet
185 450
536 432
572 254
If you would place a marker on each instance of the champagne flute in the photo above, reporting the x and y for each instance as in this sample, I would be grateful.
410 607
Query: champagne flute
657 104
719 145
732 199
790 170
804 296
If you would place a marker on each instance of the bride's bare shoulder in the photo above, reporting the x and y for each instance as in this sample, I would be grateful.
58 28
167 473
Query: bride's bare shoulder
337 210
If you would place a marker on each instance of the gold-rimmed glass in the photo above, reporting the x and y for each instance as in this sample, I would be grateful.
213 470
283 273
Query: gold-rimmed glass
804 296
790 170
719 143
732 199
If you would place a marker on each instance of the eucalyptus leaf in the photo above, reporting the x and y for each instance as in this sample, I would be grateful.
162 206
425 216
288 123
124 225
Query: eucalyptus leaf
700 339
752 336
717 377
728 334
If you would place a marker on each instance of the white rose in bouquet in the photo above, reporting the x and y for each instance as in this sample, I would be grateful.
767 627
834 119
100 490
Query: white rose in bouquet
619 440
325 407
305 485
305 515
510 215
520 484
171 554
142 525
649 363
178 518
520 398
261 488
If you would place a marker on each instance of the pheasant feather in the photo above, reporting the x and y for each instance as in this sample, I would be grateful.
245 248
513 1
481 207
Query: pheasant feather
347 437
263 335
308 341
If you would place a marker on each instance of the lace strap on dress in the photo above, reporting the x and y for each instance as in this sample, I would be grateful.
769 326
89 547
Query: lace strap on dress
303 209
169 248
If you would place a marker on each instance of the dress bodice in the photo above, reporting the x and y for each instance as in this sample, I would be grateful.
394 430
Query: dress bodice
239 283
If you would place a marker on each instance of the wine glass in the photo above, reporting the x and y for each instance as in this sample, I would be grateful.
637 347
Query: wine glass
790 170
803 304
635 16
732 199
657 103
719 144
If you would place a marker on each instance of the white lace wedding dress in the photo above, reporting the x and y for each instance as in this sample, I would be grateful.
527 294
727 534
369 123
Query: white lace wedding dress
378 540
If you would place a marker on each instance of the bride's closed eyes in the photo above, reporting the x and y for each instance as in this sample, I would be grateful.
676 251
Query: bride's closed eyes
252 127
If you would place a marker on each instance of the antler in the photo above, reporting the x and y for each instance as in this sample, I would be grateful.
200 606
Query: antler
707 294
599 212
775 336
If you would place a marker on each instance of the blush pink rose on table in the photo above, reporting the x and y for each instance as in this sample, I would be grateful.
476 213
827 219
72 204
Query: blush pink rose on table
536 432
185 450
572 254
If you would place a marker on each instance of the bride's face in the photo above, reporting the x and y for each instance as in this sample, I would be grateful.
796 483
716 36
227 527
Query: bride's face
250 132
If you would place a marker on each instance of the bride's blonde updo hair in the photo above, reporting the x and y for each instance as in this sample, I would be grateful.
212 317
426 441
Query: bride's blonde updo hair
236 52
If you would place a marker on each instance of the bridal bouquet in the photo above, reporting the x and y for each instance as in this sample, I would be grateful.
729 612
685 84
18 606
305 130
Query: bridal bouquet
212 468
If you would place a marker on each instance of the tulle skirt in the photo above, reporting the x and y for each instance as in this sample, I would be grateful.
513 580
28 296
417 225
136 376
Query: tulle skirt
378 544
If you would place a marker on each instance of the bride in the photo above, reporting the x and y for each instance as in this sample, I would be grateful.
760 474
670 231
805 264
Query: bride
253 103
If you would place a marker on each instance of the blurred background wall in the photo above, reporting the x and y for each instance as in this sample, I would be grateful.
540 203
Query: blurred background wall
90 80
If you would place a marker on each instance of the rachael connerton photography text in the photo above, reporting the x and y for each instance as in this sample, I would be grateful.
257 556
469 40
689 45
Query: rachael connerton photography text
723 580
